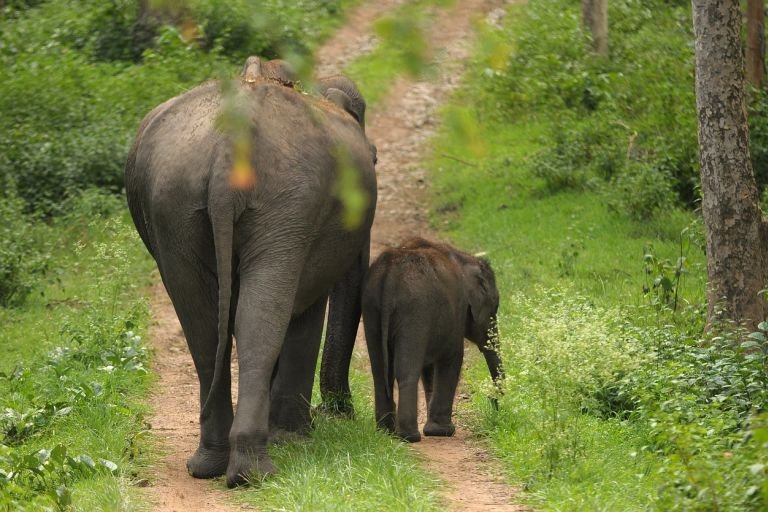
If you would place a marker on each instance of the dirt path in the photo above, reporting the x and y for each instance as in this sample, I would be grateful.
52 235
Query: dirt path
400 127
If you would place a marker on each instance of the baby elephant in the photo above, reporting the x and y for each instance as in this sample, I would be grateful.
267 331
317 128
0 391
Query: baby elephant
419 303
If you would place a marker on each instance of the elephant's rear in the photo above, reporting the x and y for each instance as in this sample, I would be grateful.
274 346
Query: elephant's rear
167 167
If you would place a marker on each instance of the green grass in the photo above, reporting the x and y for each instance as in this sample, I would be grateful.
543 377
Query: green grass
346 464
71 376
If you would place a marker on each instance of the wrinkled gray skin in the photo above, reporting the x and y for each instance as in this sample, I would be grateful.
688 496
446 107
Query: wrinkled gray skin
345 310
257 263
337 89
419 303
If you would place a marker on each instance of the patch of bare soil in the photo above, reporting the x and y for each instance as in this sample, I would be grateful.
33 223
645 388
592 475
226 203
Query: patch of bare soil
400 127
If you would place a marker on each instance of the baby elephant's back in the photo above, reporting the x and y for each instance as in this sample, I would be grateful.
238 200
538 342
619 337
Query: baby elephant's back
411 278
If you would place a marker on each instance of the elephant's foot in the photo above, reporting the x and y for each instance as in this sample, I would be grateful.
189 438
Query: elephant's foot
208 463
247 467
436 429
410 437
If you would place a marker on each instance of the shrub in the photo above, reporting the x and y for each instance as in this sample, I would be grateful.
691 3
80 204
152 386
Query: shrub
641 191
703 399
577 153
567 349
22 263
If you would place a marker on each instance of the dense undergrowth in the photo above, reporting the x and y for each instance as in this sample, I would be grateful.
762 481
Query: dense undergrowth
73 366
578 176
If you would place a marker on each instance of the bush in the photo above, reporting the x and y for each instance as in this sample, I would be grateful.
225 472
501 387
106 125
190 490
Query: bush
640 191
577 153
22 263
704 400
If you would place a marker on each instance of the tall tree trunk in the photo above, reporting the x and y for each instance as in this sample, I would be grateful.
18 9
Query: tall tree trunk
755 42
736 264
595 18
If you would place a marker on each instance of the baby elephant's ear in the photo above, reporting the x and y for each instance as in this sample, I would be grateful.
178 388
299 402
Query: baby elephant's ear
343 100
482 294
478 294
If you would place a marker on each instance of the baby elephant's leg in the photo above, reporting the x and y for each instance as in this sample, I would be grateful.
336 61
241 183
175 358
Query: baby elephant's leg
427 378
446 378
408 365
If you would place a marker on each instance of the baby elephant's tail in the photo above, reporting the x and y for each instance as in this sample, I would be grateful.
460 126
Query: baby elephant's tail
385 355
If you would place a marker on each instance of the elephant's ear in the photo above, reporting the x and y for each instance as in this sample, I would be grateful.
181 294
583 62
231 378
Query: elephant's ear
343 100
482 295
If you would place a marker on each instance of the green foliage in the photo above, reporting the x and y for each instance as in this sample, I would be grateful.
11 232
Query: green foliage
31 481
641 191
73 364
22 265
629 120
401 49
71 95
266 28
700 398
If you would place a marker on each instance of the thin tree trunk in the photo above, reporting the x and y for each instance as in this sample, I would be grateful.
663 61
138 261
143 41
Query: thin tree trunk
755 42
595 18
736 264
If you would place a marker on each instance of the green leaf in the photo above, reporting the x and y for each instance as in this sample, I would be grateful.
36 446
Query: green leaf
111 466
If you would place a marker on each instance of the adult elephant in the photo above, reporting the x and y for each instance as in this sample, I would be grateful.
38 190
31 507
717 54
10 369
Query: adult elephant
256 262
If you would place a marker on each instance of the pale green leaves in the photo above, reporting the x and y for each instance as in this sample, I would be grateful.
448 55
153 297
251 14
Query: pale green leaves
462 125
234 120
349 190
406 35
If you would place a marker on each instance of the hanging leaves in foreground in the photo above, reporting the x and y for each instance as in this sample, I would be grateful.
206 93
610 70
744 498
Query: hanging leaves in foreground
349 191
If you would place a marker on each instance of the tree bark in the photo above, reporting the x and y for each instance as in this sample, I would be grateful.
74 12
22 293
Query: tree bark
595 18
736 262
755 53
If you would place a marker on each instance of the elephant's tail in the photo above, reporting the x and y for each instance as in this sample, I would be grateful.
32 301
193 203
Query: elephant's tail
222 223
386 312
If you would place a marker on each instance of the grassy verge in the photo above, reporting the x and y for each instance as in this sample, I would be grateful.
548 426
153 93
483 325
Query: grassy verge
73 374
615 397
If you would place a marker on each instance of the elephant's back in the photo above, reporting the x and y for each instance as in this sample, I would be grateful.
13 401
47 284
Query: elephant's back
416 276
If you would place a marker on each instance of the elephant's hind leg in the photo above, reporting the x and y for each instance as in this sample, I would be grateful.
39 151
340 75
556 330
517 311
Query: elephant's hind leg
440 409
383 376
268 285
409 358
291 392
193 291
